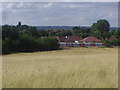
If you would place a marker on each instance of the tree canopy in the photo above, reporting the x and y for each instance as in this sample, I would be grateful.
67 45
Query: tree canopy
100 29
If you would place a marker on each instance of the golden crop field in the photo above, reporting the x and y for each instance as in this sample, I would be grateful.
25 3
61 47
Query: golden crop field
69 68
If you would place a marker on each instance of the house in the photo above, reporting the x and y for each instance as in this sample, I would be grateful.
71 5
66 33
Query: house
73 41
69 38
90 39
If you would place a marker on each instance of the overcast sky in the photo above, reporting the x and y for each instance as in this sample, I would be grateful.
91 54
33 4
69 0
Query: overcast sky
60 0
59 13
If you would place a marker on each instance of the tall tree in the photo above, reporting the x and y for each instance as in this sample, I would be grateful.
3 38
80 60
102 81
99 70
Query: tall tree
103 25
101 29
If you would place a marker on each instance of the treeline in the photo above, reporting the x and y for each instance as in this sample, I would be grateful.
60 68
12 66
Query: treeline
23 38
100 30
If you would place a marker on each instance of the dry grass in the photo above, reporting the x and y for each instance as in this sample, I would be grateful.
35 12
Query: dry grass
70 68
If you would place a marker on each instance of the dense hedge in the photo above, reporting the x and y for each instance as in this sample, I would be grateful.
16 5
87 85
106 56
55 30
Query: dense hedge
29 45
25 39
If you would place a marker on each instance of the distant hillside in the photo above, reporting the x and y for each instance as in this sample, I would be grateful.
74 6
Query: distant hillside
65 27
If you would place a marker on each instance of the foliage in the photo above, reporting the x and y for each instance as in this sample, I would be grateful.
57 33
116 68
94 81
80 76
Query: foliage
111 43
117 34
96 33
79 31
25 39
64 33
43 33
103 25
100 29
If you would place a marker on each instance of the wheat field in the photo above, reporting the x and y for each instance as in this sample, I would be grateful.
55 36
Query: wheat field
69 68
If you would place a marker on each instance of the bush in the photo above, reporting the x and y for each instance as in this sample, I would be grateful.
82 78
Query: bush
110 43
27 44
50 43
6 46
25 38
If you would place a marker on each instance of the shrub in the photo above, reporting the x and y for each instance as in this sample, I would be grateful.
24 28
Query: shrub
29 44
110 43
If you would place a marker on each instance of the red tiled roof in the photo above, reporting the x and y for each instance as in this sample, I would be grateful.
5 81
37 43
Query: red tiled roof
73 38
91 39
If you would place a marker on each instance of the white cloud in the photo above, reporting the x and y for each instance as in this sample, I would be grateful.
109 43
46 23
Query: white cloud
24 7
20 5
49 13
10 5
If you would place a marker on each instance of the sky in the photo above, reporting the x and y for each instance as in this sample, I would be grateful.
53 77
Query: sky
60 0
59 13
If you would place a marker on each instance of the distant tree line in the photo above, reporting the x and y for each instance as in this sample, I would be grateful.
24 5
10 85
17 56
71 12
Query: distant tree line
100 30
24 38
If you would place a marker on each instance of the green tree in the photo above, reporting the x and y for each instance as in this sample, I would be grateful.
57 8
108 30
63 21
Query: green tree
117 34
64 33
96 33
25 39
10 32
76 28
101 28
94 27
103 25
43 33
